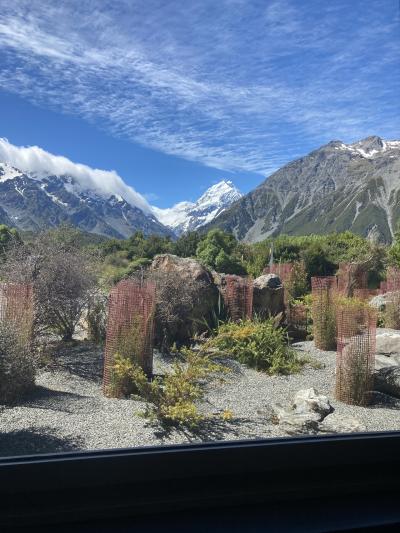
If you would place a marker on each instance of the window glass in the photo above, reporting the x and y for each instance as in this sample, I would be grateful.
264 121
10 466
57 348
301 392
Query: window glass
199 221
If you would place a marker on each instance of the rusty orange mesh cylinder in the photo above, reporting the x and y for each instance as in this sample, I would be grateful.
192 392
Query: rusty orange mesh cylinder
393 279
238 297
17 309
297 319
355 360
351 276
282 270
324 290
130 330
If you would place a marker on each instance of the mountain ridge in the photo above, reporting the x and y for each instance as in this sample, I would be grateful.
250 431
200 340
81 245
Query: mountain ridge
29 202
336 187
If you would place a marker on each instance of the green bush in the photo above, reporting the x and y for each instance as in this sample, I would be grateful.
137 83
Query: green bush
259 344
17 365
171 400
219 250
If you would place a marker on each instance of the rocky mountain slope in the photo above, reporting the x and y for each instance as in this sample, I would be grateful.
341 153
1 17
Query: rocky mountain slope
334 188
29 202
189 216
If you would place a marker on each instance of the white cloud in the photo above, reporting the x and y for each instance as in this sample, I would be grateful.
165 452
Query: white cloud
103 182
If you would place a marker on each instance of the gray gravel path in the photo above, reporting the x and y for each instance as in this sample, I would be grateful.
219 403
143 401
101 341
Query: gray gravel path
67 411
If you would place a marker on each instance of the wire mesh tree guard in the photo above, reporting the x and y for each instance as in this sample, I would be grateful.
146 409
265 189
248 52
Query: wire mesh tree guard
383 287
355 360
238 297
351 276
130 331
297 319
392 307
393 279
282 270
324 291
17 308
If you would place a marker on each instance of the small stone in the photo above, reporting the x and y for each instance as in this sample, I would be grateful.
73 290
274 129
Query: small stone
309 401
296 423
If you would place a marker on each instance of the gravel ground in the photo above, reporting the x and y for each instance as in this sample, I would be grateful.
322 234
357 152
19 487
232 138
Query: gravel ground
67 411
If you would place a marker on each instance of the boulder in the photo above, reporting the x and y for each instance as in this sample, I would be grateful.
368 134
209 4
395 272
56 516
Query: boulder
199 314
268 295
387 380
309 401
388 342
296 423
336 423
387 348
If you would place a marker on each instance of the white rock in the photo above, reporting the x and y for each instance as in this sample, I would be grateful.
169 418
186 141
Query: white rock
336 423
297 423
309 401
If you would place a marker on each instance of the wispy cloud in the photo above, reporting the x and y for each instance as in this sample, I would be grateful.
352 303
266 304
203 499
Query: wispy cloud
36 160
234 85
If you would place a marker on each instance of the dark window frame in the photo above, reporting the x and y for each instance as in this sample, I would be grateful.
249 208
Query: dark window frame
97 485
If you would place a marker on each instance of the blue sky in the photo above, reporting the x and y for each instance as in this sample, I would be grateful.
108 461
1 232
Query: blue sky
176 95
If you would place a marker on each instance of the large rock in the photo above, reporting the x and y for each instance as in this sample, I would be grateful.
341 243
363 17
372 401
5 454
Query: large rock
387 348
387 380
336 423
199 314
268 295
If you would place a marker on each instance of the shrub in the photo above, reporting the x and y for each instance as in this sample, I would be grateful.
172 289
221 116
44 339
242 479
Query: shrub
259 344
17 365
63 278
171 400
179 299
96 317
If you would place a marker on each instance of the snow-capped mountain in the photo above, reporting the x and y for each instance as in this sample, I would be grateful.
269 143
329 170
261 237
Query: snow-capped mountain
34 201
189 216
334 188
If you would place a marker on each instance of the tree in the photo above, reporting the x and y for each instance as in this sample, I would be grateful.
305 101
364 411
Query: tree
8 237
187 244
219 250
63 278
316 261
394 251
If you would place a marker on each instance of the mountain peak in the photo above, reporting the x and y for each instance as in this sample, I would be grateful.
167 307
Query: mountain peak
189 216
370 144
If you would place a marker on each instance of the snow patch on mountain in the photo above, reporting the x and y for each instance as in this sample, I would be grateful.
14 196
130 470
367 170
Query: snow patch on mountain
370 147
189 216
41 164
